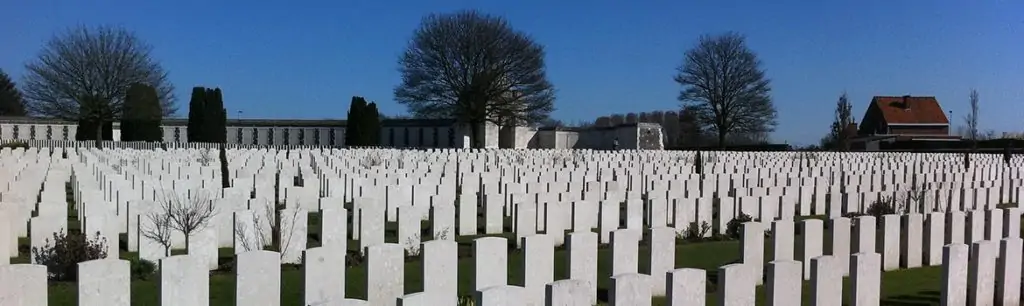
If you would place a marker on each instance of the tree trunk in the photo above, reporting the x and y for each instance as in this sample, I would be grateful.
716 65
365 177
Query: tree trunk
99 133
721 139
186 242
474 135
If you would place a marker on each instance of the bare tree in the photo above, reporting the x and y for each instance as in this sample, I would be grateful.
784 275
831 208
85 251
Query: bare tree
474 68
84 74
839 136
724 80
971 119
187 214
254 237
159 229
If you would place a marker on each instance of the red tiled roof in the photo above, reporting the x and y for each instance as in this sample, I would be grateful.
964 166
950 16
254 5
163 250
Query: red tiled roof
910 110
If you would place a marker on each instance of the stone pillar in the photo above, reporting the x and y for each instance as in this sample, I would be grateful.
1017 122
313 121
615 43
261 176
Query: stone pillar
1008 271
954 274
864 235
736 285
910 242
826 281
686 287
890 242
812 235
981 275
630 289
839 231
785 279
934 237
782 240
583 261
865 279
752 243
567 292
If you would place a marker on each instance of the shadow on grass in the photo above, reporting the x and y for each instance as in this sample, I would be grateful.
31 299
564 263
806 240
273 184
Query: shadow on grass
924 298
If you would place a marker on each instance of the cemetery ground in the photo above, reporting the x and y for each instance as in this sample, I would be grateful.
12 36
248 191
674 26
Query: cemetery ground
919 286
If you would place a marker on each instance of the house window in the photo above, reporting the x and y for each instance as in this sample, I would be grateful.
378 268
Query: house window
391 136
15 131
316 137
405 138
420 141
255 136
286 134
238 136
177 134
270 136
49 132
31 132
302 137
65 132
330 136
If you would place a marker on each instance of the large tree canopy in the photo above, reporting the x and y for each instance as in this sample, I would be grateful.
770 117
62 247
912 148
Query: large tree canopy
11 103
85 73
474 68
723 79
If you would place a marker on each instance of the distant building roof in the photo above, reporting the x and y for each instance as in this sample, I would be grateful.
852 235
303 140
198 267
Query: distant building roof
910 110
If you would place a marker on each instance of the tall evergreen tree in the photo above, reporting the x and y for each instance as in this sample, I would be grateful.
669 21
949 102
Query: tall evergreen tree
216 117
355 134
196 115
142 114
11 103
372 125
207 118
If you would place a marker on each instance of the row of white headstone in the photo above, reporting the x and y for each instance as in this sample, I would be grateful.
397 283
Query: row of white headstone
104 192
986 272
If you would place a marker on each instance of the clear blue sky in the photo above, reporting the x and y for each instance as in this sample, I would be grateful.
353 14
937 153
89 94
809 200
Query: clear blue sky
305 59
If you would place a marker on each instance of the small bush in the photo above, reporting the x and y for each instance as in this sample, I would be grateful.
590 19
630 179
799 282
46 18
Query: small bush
884 206
696 232
142 269
734 229
62 254
853 214
354 258
14 145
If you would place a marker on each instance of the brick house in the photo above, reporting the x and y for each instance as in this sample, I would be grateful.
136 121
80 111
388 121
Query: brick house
906 118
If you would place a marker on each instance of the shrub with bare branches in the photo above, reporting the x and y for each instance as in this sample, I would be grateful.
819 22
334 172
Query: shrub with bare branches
187 214
158 229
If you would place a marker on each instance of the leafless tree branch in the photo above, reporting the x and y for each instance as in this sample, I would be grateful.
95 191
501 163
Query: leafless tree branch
159 230
187 214
474 68
723 79
85 73
971 119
